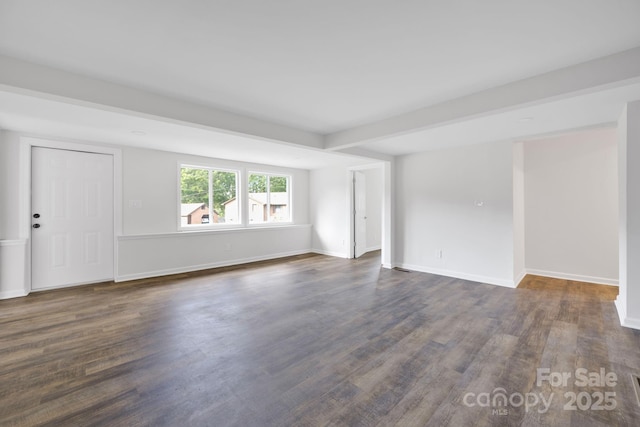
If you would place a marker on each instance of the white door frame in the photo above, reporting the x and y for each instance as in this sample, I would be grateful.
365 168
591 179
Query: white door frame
26 144
355 213
387 211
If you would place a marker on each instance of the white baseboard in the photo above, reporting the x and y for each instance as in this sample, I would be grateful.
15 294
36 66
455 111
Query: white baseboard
342 254
622 312
628 322
519 278
73 285
191 268
458 275
13 268
574 277
12 294
330 253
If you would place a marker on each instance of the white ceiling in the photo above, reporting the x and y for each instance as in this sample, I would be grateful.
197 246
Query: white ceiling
42 117
318 66
596 109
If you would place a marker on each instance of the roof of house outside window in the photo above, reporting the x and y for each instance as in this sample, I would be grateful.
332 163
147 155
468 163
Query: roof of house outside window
187 209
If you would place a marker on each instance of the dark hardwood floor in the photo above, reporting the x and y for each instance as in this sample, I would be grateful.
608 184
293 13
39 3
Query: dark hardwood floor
315 341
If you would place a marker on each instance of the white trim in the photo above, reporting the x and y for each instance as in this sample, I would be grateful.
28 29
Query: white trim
519 278
373 248
194 233
387 209
24 198
458 275
73 285
26 145
373 165
273 224
351 237
330 253
387 238
13 262
179 196
630 322
193 268
627 322
574 277
289 177
17 242
211 226
12 294
622 312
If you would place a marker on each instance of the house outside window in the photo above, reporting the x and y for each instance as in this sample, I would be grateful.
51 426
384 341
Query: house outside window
269 198
204 193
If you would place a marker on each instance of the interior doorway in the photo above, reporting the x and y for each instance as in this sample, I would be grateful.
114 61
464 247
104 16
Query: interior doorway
359 213
366 210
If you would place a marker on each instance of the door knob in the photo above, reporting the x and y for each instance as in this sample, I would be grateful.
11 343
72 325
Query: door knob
36 225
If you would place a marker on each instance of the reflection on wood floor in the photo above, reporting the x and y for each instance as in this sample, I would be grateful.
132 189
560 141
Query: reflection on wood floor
313 341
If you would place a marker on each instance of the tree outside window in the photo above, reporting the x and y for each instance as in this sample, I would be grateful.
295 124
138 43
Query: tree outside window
202 188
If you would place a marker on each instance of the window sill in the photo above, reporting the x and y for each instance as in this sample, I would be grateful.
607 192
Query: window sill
219 227
270 225
226 230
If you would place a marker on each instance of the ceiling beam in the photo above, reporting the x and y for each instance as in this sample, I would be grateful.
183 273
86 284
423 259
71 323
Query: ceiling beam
363 152
603 73
36 80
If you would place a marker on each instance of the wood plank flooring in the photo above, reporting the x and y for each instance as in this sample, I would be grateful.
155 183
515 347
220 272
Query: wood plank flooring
313 341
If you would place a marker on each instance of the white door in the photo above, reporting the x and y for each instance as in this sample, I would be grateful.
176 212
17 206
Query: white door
360 213
72 218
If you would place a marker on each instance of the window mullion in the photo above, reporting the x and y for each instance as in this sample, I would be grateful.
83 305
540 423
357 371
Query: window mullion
211 211
268 181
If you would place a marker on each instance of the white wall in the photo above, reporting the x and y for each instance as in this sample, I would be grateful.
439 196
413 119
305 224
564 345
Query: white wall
9 185
437 197
388 240
571 206
628 301
150 255
330 211
633 215
150 176
13 246
519 266
330 207
150 244
375 189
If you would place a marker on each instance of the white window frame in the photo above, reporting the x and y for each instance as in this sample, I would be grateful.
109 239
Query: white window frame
268 222
210 225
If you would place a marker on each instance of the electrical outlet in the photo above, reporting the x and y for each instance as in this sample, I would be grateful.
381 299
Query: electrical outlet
135 204
439 254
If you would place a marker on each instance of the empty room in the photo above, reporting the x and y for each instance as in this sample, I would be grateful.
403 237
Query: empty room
319 213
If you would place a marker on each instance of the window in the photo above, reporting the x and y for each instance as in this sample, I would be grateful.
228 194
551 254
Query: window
210 198
269 198
204 188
